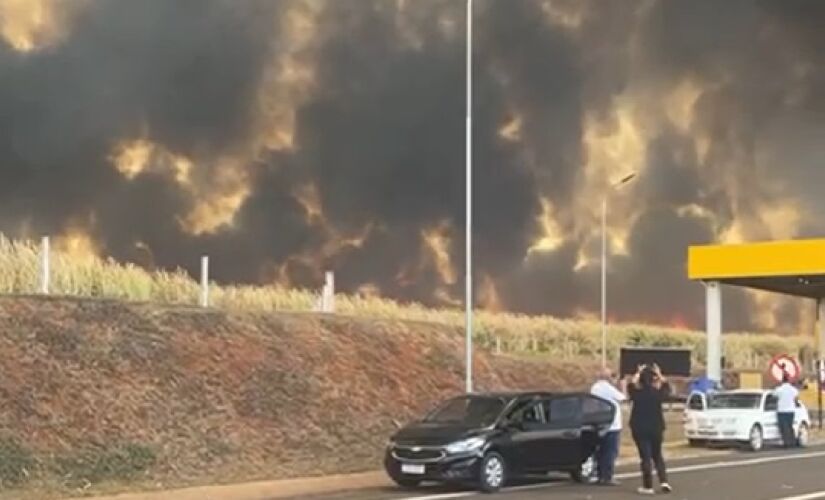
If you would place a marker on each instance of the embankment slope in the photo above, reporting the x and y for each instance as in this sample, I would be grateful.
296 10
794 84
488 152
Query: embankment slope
104 394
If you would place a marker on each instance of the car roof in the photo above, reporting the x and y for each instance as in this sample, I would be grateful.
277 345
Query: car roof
754 392
743 391
523 394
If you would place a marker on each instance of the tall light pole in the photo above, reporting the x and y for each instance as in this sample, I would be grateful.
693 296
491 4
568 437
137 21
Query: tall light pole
468 270
616 185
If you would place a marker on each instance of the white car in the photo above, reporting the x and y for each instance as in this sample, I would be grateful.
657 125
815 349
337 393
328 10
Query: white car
740 416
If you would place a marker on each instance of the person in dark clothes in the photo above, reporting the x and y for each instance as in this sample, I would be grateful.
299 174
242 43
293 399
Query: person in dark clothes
648 390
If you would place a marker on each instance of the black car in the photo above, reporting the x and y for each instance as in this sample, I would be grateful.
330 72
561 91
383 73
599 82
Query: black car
487 439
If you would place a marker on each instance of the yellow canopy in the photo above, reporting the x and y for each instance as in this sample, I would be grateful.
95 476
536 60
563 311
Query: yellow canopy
789 267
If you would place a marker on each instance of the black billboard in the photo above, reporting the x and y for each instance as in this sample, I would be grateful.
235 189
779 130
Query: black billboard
672 361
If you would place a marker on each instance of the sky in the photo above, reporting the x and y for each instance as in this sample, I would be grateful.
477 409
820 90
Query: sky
285 138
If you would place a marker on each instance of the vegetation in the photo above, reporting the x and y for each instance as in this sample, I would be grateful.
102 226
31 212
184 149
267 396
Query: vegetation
16 463
88 276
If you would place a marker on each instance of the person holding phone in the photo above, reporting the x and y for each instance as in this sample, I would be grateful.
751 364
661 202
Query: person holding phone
648 389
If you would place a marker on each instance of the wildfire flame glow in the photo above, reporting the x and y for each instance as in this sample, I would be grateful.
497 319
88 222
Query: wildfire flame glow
77 244
437 243
551 234
488 296
27 25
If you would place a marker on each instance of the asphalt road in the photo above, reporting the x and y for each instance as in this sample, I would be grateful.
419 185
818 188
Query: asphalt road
774 475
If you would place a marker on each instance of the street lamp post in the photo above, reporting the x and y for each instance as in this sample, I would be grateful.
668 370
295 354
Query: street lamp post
468 271
617 185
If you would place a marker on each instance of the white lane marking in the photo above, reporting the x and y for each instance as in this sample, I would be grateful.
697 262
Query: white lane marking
809 496
674 470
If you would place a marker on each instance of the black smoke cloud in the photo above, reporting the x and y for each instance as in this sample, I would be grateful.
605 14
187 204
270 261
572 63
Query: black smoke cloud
380 137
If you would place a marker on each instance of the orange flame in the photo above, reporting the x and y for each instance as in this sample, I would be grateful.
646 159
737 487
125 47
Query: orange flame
437 243
488 296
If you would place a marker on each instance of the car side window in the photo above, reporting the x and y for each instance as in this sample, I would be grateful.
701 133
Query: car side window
533 414
771 403
695 403
596 411
594 406
528 413
564 409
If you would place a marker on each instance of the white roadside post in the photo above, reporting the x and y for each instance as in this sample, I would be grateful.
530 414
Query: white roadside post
329 292
468 269
45 270
713 316
205 281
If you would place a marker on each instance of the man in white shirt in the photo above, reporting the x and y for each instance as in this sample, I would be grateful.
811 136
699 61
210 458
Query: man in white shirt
608 449
787 396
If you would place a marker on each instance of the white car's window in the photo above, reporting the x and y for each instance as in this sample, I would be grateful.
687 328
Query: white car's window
695 402
734 401
771 403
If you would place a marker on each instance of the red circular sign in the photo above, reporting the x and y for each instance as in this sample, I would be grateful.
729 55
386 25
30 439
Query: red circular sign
782 365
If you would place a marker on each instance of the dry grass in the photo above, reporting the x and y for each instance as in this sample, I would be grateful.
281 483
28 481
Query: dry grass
99 393
564 339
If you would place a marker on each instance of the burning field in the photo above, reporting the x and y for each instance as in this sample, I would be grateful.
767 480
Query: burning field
285 138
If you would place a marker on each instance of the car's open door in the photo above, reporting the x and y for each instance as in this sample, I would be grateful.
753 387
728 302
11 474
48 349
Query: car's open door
597 417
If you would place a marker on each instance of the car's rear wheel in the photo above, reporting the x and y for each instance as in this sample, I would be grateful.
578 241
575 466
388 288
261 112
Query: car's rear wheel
585 471
756 439
493 473
803 436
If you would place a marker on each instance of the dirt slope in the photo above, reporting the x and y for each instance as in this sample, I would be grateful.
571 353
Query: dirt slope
95 393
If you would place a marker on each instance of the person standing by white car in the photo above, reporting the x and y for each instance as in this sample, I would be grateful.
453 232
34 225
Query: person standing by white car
608 449
787 397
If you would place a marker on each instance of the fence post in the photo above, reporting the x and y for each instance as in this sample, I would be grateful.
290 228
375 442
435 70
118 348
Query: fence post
44 266
205 281
329 293
498 344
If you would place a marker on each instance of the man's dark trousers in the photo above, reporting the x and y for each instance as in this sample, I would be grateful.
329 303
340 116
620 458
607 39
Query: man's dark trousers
607 454
786 428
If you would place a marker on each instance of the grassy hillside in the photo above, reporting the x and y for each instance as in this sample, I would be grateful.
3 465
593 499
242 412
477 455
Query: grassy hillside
561 339
99 394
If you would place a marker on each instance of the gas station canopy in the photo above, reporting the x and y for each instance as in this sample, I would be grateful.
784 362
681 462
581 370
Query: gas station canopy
789 267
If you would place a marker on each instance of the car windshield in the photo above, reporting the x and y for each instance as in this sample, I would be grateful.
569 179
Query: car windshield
468 410
734 401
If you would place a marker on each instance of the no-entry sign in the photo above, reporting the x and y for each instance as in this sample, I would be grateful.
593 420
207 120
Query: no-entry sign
785 365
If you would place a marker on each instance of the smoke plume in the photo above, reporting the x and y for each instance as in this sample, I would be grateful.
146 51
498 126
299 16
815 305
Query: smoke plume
286 138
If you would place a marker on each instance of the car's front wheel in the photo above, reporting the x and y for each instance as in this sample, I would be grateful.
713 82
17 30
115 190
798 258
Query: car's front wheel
695 443
756 439
493 473
585 471
803 436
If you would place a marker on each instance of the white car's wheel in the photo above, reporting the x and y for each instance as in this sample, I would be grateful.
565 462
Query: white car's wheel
803 435
756 439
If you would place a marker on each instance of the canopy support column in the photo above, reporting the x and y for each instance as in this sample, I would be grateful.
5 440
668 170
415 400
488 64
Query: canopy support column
713 316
